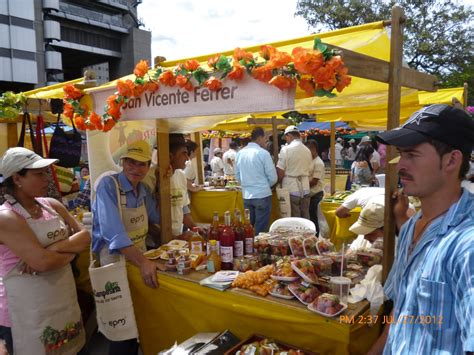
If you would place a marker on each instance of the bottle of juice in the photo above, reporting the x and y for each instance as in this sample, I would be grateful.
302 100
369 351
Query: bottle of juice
239 235
196 242
213 233
249 233
227 244
213 260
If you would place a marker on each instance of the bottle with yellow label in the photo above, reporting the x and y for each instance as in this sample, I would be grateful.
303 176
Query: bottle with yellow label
213 260
196 242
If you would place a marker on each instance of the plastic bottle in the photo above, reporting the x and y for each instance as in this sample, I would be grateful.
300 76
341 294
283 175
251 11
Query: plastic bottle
239 235
197 242
213 260
227 244
213 233
249 233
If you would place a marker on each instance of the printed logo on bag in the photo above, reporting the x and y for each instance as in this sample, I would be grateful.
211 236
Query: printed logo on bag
114 323
138 219
54 339
109 289
58 233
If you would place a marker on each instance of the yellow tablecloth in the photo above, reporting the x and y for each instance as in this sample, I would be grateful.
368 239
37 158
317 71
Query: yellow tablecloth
178 309
204 203
339 227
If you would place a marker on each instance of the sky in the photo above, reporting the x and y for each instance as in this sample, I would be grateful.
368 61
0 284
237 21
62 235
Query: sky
188 28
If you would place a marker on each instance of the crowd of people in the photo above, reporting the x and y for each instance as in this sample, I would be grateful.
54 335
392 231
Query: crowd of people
433 273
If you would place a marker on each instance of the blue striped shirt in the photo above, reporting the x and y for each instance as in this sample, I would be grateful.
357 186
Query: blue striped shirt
255 171
433 289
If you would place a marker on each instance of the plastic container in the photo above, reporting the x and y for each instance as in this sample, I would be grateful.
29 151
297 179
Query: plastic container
340 286
296 245
322 265
304 292
279 246
337 260
309 246
305 269
281 290
370 257
324 246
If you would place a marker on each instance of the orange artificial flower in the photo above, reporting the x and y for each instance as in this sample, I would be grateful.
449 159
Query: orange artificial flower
240 54
191 65
109 124
141 68
267 51
262 73
152 86
96 120
138 90
343 81
85 110
71 93
237 73
335 62
125 88
112 101
189 86
325 78
167 78
307 61
282 82
79 122
212 61
114 112
68 110
279 60
308 86
213 84
181 80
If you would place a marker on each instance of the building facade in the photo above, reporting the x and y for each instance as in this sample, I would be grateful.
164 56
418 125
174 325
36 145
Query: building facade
43 42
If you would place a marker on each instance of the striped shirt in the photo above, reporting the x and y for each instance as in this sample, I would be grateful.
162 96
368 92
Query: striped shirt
433 289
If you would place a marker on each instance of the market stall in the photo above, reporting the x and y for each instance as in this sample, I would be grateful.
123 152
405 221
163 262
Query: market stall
180 308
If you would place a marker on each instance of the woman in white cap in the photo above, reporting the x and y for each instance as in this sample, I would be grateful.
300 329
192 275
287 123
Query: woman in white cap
39 308
217 164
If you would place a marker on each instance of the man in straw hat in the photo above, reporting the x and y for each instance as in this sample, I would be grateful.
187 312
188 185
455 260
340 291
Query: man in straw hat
432 279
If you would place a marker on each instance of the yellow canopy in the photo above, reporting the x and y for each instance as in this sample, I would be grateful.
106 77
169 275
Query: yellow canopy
50 92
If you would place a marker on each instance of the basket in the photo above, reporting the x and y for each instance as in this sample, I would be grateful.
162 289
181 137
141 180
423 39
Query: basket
296 223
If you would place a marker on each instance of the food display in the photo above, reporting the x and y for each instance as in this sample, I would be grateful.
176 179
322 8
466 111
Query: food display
296 245
309 246
322 265
338 197
378 244
355 276
251 278
324 246
258 345
279 246
264 288
370 257
338 260
281 290
284 271
246 263
304 292
304 268
327 305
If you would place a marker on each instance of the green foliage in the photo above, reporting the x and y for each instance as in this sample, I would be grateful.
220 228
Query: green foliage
11 104
437 33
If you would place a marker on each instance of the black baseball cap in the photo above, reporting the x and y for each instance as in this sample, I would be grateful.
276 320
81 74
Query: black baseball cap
444 123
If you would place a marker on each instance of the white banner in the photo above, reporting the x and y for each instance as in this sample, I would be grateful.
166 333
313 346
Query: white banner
246 96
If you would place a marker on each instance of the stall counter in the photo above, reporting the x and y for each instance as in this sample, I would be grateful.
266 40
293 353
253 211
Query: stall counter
180 308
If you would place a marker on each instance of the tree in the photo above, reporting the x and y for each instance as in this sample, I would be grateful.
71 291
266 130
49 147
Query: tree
437 33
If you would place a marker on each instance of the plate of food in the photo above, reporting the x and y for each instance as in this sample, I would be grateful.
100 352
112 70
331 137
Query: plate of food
305 269
327 305
304 292
281 290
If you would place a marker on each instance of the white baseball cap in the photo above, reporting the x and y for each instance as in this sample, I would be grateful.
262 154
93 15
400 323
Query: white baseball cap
371 217
365 139
290 129
19 158
352 140
339 139
217 150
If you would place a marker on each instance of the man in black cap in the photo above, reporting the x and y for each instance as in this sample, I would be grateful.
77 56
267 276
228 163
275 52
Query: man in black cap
432 279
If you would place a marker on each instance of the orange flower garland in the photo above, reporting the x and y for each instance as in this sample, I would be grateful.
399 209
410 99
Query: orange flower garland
317 71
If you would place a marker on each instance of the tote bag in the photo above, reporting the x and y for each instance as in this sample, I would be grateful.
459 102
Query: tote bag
283 195
66 147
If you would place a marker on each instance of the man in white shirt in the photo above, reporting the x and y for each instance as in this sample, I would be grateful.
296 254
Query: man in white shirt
229 159
316 182
205 153
190 169
358 198
294 162
217 165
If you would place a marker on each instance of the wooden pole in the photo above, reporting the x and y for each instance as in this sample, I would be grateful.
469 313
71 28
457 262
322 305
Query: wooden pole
200 168
332 150
163 184
12 135
275 139
393 121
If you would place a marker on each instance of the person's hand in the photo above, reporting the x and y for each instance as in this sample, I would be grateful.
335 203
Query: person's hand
28 270
400 205
185 236
148 272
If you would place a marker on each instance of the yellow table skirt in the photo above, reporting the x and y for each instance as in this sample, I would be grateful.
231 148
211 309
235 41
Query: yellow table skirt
204 203
179 309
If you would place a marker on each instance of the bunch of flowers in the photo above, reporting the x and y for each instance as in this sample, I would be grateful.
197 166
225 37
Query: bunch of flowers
317 71
327 132
224 134
11 104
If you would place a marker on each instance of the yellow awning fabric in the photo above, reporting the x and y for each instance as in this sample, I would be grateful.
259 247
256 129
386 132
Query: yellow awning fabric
240 124
50 92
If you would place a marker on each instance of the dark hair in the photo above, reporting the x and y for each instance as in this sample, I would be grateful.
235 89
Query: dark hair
311 143
191 146
8 182
233 145
257 132
294 134
443 148
364 155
